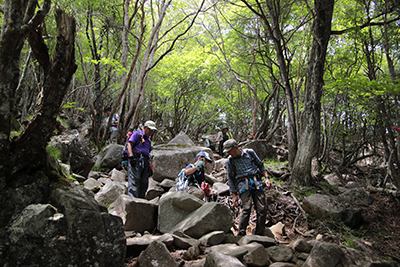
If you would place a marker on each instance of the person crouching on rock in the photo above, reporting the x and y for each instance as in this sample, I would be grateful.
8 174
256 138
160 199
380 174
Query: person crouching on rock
195 174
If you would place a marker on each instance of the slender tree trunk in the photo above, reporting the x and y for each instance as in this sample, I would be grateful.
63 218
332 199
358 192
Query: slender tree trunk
98 98
311 121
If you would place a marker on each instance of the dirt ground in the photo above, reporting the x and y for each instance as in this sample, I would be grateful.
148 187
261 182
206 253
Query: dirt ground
382 225
380 232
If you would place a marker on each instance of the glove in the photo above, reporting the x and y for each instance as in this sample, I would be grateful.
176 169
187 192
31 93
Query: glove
200 164
131 160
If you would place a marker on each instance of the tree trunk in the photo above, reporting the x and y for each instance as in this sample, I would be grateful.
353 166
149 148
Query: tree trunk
311 121
28 151
18 20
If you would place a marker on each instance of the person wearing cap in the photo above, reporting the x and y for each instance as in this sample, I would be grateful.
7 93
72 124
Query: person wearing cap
139 147
114 124
245 170
225 136
195 174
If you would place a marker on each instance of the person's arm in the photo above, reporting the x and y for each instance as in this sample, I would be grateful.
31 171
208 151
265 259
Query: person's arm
231 182
267 181
129 148
261 167
131 143
197 165
116 121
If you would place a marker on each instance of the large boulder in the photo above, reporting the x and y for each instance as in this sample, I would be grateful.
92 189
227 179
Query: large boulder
324 255
181 139
169 160
174 207
110 192
263 149
73 230
357 196
137 214
211 216
156 254
110 157
24 190
320 205
75 151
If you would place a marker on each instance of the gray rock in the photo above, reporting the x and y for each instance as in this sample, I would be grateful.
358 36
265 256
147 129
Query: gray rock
228 249
75 151
357 196
256 255
181 139
169 160
184 242
84 232
154 190
282 264
301 245
137 214
110 157
212 239
324 255
92 184
332 179
118 176
263 240
216 259
220 164
156 254
173 208
263 149
110 192
167 184
280 253
142 242
211 216
222 189
322 205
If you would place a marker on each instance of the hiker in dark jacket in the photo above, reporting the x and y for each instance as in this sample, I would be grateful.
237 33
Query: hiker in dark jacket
139 147
245 170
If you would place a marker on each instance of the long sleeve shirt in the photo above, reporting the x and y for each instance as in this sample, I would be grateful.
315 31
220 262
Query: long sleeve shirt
245 165
219 137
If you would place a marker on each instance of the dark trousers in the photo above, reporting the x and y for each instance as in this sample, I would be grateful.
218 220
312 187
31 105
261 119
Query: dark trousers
138 178
258 197
221 148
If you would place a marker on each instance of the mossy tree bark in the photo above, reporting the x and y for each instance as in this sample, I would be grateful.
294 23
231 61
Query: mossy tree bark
27 152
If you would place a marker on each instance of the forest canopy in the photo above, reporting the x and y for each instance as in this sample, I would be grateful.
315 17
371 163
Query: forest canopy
314 76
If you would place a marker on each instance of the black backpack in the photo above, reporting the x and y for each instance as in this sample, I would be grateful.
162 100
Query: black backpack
125 155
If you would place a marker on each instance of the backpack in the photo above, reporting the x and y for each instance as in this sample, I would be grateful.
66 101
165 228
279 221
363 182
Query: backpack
124 154
233 170
182 184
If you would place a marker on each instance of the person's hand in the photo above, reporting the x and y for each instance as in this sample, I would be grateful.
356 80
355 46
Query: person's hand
131 160
200 164
235 200
268 183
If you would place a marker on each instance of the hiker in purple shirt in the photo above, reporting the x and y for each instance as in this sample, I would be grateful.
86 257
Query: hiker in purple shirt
139 166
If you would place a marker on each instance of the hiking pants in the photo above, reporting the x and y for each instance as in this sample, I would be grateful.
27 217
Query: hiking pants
221 148
138 178
258 197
